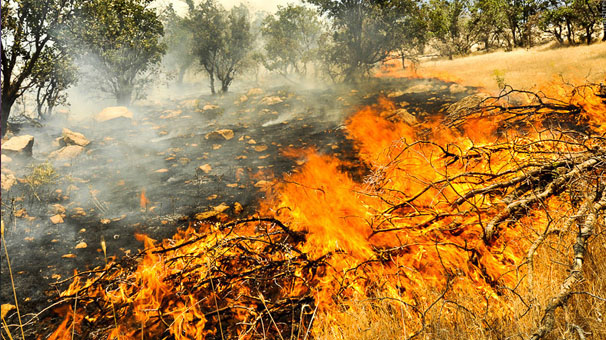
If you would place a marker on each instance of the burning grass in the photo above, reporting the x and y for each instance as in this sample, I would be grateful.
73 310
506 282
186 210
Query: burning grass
486 224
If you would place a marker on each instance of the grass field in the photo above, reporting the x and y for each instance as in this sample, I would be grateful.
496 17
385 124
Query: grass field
523 68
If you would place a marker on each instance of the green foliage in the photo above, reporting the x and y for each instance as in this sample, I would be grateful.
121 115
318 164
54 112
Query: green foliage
30 41
122 41
222 40
179 41
450 26
499 77
53 74
40 179
291 39
364 33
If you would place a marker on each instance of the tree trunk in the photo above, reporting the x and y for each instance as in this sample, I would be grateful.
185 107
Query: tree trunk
7 104
212 83
124 97
225 84
588 34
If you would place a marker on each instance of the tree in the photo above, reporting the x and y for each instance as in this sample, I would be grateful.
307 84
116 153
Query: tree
291 39
52 75
411 30
222 40
363 34
587 16
29 31
179 40
450 25
121 40
557 19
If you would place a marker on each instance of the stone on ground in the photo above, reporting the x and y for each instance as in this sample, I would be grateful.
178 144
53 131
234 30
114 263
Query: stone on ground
19 145
74 138
67 152
218 135
113 112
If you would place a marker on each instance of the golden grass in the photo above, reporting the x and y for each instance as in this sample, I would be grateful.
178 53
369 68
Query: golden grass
524 69
448 317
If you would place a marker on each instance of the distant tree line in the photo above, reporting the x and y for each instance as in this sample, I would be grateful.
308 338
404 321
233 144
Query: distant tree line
122 45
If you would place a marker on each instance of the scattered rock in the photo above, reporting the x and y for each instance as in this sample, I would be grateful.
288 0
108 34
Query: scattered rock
56 219
456 88
5 308
81 245
74 138
166 114
206 168
419 88
67 152
403 115
206 215
260 148
8 180
395 94
221 207
209 107
218 135
189 103
271 100
238 208
254 92
57 209
113 112
19 145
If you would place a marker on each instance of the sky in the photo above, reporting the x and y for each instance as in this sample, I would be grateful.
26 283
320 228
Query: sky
269 6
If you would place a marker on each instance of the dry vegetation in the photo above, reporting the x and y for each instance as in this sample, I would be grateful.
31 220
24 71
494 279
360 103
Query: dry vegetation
524 69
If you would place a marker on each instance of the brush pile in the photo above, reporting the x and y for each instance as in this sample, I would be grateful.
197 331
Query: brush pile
483 224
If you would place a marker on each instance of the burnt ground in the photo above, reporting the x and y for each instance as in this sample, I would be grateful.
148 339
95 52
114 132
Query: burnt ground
160 151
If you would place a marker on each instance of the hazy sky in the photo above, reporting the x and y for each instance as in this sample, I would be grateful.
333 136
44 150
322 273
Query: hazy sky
255 5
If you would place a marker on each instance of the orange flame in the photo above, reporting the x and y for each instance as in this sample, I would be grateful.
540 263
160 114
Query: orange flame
143 202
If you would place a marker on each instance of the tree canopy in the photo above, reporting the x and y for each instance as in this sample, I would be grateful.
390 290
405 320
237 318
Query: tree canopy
121 40
32 48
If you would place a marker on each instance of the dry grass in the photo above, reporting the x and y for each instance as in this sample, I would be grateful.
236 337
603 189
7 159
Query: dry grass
523 69
450 316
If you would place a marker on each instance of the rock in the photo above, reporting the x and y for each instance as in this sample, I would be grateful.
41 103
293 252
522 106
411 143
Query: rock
74 138
218 135
189 103
209 107
403 115
8 180
19 145
238 208
56 219
113 112
166 114
67 152
271 100
6 159
395 94
456 88
418 88
254 92
206 168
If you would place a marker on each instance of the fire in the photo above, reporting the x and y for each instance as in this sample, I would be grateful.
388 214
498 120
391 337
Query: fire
143 201
430 222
